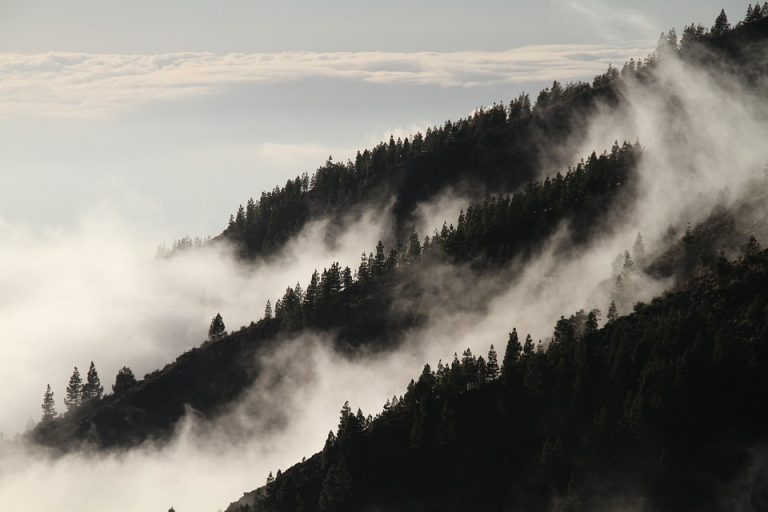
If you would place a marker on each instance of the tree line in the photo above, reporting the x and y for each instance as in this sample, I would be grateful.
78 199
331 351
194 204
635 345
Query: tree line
664 402
80 393
490 232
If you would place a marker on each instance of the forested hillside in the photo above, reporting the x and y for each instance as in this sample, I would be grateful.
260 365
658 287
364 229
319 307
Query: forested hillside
665 396
499 149
357 307
660 410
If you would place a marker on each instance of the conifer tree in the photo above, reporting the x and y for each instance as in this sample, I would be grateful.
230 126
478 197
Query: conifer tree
482 370
92 389
492 366
379 260
310 296
528 347
346 278
268 310
217 330
613 314
364 270
414 247
629 265
469 365
721 25
512 353
49 405
124 381
326 456
74 394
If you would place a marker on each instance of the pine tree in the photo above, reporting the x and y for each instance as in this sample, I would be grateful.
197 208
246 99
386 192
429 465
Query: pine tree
721 25
492 367
346 278
414 247
512 353
92 389
217 330
379 260
49 405
528 348
469 365
482 370
268 310
613 314
124 381
629 265
326 456
74 393
364 270
310 296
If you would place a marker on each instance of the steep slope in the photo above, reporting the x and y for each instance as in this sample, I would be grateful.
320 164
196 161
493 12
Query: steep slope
498 149
659 410
361 312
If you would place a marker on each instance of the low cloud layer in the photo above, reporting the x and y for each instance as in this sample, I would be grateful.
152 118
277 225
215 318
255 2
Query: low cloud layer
91 85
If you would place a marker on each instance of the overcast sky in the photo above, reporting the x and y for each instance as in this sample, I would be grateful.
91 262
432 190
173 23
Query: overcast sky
171 113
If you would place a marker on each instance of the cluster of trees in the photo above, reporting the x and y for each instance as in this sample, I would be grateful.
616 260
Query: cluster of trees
665 402
695 33
492 231
180 245
359 304
79 393
505 226
263 225
755 13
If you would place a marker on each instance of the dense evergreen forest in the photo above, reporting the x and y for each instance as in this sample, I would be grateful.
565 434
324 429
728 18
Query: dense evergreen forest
665 405
357 307
661 408
498 148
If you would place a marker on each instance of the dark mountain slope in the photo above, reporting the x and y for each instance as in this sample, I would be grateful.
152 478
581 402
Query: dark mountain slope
663 409
498 149
364 310
367 310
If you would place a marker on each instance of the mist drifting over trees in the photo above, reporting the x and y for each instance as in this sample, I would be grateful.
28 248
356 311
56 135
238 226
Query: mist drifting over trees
556 302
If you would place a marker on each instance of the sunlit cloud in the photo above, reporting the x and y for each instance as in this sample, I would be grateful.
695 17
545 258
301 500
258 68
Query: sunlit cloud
93 85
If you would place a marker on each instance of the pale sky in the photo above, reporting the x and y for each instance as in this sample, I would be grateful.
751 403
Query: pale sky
171 113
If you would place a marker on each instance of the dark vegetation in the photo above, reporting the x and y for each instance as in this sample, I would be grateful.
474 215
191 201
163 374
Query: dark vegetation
358 307
665 397
664 404
498 148
659 410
